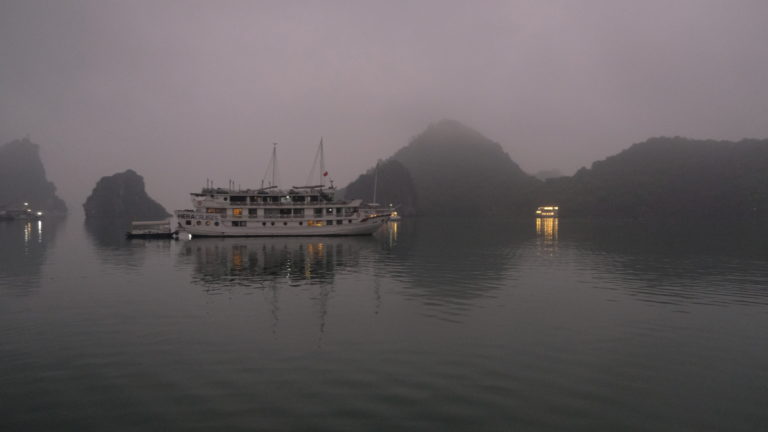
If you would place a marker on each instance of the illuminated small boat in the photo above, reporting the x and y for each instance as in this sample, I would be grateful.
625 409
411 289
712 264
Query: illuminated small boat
547 212
25 213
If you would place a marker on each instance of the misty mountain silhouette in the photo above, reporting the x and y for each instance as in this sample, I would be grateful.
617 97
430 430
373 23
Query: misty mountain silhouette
22 179
455 170
670 178
122 197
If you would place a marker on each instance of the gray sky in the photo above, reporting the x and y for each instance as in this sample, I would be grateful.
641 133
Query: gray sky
185 90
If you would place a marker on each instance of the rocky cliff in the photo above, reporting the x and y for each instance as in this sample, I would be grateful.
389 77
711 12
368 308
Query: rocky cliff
394 185
22 179
122 197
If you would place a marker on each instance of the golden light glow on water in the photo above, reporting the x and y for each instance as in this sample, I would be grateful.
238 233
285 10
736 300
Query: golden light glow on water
237 257
27 231
547 233
392 231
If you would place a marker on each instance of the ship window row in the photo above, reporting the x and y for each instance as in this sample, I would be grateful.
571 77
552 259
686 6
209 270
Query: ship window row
278 213
199 222
270 198
314 223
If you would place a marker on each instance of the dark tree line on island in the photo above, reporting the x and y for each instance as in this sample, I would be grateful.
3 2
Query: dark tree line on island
454 170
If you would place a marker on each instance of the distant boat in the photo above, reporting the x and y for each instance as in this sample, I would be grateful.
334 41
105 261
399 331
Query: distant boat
547 212
151 229
25 213
269 211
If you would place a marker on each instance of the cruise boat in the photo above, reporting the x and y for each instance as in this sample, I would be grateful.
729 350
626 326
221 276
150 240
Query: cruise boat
547 211
270 211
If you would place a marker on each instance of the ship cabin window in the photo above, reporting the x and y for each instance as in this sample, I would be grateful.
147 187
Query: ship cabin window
271 223
237 212
339 222
298 198
253 199
237 198
339 210
318 212
216 224
350 221
329 211
274 198
239 223
297 212
189 222
263 224
285 223
253 212
199 222
225 198
314 198
315 223
285 213
216 210
329 222
301 223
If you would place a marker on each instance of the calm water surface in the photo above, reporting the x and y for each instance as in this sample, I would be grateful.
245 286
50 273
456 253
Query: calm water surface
433 325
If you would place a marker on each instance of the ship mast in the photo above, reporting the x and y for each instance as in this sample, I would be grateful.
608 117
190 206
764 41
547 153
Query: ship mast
375 181
272 167
319 160
323 172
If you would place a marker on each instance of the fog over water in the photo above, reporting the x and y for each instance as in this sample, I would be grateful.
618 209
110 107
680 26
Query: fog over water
182 91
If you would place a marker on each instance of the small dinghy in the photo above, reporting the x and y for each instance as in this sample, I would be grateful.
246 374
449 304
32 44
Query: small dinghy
151 229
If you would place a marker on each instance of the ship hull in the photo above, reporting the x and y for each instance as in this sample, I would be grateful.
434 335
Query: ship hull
358 228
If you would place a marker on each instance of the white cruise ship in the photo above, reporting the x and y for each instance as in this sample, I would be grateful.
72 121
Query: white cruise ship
270 211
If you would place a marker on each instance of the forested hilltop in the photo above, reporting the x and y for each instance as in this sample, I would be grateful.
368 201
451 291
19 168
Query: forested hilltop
670 178
454 170
450 169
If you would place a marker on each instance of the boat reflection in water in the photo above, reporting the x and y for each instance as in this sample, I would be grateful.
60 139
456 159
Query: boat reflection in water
221 263
547 233
24 245
392 228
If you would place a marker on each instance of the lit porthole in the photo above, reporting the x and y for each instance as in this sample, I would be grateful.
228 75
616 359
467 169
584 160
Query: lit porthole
208 223
216 224
198 222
